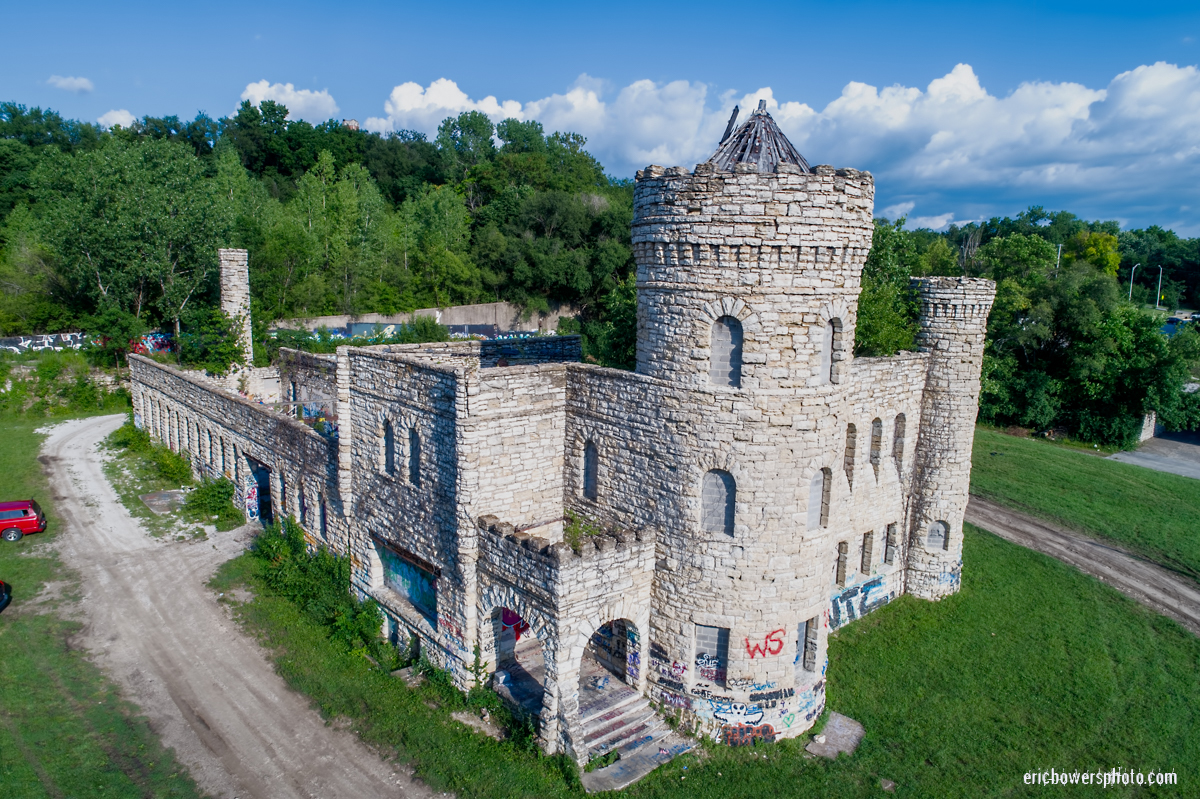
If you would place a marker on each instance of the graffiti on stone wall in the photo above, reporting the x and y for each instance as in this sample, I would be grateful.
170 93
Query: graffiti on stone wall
710 668
747 734
56 342
633 654
510 620
771 645
415 584
252 500
672 699
738 713
857 601
768 700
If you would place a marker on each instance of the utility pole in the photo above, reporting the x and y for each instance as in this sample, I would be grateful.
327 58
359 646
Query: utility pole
1159 294
1131 271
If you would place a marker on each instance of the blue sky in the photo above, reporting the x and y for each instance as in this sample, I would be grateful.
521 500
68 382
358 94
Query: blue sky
961 110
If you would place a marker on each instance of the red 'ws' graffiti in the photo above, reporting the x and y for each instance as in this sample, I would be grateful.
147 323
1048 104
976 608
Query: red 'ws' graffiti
771 645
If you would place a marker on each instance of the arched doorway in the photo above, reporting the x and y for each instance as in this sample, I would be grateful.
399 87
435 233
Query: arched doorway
520 664
612 712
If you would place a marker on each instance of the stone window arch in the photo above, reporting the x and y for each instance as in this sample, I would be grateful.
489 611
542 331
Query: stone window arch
848 461
725 360
591 471
898 442
938 536
819 492
414 456
833 344
302 506
718 499
876 444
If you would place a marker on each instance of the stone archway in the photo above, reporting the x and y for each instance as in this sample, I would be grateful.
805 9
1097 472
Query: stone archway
518 658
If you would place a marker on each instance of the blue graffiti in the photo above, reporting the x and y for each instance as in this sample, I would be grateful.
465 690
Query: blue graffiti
856 602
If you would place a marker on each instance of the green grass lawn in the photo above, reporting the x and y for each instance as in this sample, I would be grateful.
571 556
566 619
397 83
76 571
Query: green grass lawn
64 731
1031 666
1152 513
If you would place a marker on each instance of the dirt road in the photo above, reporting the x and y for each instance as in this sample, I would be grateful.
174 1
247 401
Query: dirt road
1164 591
208 690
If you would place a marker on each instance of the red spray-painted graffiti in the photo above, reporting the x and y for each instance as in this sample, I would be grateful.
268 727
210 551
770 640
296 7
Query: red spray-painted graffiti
748 734
771 645
514 622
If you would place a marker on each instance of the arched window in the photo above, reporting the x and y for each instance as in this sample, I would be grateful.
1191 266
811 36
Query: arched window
725 363
898 442
818 499
414 456
591 468
830 344
388 455
302 507
876 445
938 536
851 453
718 496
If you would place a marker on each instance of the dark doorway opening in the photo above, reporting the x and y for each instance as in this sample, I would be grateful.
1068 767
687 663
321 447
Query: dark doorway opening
260 473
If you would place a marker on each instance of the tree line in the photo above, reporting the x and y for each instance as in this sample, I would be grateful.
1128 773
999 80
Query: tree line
116 230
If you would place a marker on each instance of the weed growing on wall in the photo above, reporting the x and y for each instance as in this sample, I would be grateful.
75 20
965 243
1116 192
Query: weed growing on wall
576 527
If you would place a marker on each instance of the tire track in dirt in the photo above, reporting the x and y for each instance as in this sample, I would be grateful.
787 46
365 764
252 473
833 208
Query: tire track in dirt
1157 588
207 688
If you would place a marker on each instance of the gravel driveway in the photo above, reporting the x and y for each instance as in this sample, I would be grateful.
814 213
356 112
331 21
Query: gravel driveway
208 689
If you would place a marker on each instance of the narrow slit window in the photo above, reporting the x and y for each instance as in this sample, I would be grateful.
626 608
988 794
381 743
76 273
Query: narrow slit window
868 552
302 507
718 498
389 448
591 466
725 365
876 445
898 442
889 552
324 517
712 654
827 336
414 456
843 550
851 453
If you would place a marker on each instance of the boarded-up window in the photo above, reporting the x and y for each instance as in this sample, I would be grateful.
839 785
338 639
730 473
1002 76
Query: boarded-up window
415 583
868 552
818 499
718 497
808 643
591 466
843 550
939 536
898 442
725 366
712 654
414 456
851 453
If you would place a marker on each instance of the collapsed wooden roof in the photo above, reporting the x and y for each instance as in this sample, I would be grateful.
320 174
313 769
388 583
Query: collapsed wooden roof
758 141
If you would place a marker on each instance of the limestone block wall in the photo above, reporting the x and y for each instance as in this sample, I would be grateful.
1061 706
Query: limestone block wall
781 252
953 326
310 379
219 431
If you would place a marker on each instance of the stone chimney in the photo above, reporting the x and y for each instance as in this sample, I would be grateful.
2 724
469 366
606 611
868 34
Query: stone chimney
235 295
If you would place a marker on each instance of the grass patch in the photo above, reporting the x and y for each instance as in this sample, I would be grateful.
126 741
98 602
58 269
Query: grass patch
64 731
1152 513
1076 676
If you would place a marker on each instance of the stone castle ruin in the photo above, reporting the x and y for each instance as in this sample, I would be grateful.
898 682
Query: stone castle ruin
620 546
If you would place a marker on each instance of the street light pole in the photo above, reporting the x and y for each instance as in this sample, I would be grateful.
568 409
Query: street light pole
1159 294
1131 273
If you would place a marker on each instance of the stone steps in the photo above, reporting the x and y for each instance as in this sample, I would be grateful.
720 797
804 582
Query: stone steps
636 761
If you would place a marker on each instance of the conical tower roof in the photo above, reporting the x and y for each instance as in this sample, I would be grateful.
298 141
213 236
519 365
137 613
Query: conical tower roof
758 141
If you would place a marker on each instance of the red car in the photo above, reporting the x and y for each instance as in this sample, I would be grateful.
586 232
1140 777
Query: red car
18 519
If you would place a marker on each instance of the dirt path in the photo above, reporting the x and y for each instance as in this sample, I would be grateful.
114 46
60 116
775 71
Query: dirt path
207 688
1163 591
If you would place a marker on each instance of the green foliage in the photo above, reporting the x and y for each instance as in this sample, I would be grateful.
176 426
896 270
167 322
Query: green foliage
887 309
212 340
610 335
57 384
577 527
170 467
212 501
319 583
114 332
422 330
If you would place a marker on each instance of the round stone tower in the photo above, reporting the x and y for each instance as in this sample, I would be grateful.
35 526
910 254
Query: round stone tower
953 325
756 240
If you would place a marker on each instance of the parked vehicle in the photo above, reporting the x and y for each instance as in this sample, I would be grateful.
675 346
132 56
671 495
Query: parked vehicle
5 594
20 518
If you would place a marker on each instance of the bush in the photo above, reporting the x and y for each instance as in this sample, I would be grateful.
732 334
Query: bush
170 467
214 498
319 584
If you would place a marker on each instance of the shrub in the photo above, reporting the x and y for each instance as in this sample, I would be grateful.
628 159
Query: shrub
215 498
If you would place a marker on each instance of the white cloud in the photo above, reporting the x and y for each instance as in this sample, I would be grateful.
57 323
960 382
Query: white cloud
898 210
1133 144
303 104
70 84
117 117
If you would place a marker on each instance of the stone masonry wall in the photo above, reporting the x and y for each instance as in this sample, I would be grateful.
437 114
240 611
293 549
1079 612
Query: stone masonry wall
235 295
218 430
310 379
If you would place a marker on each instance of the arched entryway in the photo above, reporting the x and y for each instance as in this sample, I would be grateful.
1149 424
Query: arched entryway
612 712
519 672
